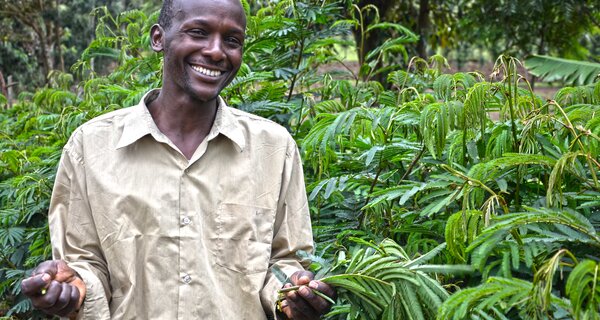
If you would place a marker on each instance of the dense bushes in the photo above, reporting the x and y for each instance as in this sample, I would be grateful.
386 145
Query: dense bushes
506 211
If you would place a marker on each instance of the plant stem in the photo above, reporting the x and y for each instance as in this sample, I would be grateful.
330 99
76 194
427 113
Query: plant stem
510 71
413 163
295 77
299 117
379 170
571 128
464 141
295 288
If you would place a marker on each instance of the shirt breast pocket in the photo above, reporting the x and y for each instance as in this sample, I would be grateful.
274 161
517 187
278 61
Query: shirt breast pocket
244 234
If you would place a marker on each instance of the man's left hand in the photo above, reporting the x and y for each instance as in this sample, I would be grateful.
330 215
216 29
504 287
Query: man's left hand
304 304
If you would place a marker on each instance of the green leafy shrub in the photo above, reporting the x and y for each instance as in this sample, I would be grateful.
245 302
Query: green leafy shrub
37 127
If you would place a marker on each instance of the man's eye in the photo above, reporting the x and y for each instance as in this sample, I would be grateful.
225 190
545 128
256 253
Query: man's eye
234 41
197 32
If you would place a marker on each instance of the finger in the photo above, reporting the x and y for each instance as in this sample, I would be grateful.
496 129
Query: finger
300 310
285 308
298 306
321 297
50 298
67 301
302 277
324 288
75 296
48 267
317 303
62 299
33 286
74 302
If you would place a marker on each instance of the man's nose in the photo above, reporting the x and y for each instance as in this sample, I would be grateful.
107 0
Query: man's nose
214 49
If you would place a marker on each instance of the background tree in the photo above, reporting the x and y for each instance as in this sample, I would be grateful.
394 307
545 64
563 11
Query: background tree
37 33
40 36
463 28
521 28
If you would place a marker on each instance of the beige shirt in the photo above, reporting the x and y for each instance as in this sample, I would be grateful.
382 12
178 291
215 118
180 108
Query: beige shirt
155 236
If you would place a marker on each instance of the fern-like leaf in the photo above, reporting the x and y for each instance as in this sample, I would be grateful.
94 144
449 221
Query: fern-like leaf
570 71
583 288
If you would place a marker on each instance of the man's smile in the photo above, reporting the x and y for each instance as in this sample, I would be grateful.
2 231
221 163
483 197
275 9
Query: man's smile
206 71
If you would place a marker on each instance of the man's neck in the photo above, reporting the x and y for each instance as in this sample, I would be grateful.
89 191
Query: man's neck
184 121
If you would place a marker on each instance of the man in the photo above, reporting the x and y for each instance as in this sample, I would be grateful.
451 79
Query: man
181 207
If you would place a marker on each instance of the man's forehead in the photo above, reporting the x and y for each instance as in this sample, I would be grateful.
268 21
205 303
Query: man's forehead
188 8
230 4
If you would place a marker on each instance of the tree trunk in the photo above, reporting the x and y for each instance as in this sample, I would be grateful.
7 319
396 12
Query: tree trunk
44 55
42 28
422 26
3 88
57 38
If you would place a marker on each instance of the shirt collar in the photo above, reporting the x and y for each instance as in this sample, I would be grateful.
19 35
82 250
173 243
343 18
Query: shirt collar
139 123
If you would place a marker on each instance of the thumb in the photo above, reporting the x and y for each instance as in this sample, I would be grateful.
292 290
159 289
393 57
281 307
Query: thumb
48 270
302 277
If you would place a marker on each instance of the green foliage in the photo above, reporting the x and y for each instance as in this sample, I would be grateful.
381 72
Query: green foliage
584 291
379 284
497 298
382 282
32 136
461 229
508 195
570 71
530 27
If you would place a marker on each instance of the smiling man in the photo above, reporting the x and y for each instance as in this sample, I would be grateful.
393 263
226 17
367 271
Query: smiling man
181 207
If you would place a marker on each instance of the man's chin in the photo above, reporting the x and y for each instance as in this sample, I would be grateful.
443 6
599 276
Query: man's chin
203 97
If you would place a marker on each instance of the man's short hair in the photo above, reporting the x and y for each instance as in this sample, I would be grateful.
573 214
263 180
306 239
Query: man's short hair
165 18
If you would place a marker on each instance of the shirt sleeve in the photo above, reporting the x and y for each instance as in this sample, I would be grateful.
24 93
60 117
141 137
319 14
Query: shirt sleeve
73 232
292 230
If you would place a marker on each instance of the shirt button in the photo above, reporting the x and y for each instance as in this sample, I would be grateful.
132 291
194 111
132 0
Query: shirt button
187 279
185 221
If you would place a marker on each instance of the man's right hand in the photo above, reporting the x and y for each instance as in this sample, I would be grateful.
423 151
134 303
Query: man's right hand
55 288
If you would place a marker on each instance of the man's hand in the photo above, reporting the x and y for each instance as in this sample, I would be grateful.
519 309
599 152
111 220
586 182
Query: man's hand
304 304
54 288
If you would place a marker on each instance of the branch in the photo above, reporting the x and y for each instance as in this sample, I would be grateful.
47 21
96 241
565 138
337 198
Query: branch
413 163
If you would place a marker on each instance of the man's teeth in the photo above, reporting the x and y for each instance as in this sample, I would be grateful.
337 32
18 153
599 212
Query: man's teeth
212 73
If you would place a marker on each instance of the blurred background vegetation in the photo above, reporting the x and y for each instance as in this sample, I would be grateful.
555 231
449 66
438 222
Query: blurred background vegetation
41 36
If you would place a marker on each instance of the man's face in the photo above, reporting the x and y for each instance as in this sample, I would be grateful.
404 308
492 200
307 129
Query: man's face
202 47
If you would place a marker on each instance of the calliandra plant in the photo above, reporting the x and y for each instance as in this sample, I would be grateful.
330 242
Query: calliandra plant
382 282
508 180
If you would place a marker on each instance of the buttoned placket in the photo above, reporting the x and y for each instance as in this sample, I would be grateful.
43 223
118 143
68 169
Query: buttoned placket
188 279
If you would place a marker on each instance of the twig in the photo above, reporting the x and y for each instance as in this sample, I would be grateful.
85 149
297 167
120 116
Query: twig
295 288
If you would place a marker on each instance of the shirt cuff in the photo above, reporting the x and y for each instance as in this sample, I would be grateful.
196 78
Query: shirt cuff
270 291
95 303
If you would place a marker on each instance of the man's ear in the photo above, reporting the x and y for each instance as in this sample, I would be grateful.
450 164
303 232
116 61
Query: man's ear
156 38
